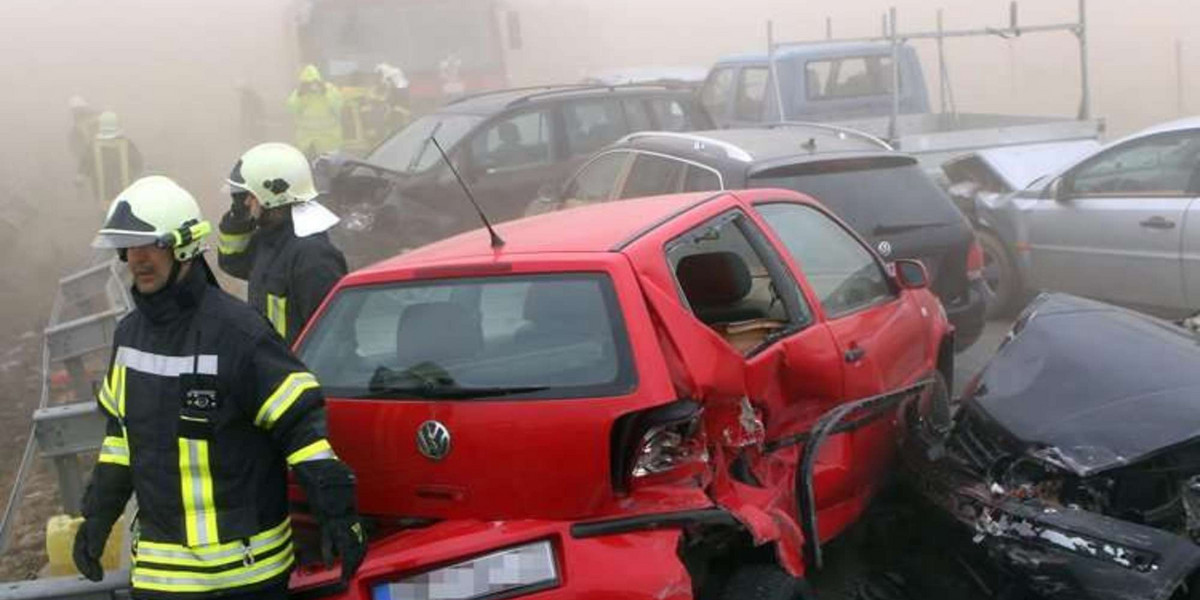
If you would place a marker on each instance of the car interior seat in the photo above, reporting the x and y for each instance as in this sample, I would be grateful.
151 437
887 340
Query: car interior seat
437 332
717 286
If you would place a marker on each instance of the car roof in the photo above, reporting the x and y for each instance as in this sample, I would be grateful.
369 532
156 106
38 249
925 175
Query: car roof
596 228
487 103
811 50
751 148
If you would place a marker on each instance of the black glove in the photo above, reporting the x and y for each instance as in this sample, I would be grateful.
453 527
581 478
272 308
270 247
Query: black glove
343 537
89 546
329 485
240 206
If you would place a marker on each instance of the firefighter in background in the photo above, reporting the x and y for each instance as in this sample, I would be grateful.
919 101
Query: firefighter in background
252 113
316 106
112 162
206 410
386 106
273 236
83 127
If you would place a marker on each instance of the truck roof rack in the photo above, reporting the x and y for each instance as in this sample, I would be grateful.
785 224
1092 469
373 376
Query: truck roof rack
732 151
842 132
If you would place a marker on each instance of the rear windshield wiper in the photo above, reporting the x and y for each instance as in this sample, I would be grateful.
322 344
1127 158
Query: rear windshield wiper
886 229
448 391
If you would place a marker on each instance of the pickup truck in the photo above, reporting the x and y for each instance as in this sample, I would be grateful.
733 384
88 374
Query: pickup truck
851 84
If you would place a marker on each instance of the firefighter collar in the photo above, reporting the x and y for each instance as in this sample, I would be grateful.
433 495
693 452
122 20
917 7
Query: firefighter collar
311 217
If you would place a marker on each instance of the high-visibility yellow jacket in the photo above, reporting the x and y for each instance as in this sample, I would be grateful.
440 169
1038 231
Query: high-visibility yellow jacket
317 113
206 412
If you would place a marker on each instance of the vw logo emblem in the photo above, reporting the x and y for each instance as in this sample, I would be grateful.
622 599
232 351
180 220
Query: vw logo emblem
433 440
885 248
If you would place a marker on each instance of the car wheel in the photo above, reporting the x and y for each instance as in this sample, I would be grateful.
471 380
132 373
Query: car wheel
1001 275
761 582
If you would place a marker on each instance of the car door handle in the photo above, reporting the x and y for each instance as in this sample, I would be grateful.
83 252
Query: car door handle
1158 223
855 354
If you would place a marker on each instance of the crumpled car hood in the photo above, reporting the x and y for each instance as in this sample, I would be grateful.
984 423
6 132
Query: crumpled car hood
1089 387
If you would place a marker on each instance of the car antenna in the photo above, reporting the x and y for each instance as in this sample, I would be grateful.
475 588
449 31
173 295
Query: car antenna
497 241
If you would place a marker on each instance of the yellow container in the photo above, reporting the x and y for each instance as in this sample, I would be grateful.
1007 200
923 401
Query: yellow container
60 541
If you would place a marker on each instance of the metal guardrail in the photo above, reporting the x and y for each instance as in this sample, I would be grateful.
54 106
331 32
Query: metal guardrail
83 319
115 586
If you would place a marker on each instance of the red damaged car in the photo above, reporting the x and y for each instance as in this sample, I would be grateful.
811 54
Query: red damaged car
673 397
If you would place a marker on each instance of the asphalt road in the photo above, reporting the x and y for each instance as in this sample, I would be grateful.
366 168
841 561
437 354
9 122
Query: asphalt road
968 363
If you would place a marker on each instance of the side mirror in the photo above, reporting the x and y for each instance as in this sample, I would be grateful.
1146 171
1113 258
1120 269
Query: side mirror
911 274
1057 190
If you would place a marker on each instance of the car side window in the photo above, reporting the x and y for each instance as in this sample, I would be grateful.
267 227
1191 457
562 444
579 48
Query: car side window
751 94
596 180
652 175
637 117
1158 166
733 285
592 124
844 274
700 179
717 91
848 77
516 142
671 115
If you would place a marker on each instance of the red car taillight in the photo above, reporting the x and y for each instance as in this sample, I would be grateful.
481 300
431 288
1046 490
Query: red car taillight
975 261
661 444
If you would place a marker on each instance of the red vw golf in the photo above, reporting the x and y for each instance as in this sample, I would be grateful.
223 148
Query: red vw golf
673 397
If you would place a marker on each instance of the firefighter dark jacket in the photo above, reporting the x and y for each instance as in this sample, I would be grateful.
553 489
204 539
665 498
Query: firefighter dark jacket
206 411
288 276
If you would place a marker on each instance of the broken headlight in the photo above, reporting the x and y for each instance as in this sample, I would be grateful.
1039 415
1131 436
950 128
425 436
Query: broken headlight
515 571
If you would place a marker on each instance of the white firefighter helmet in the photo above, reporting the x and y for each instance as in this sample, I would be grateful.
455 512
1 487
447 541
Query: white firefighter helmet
154 210
278 174
77 102
108 126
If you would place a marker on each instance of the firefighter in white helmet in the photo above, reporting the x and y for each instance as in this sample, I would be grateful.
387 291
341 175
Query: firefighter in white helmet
274 236
206 411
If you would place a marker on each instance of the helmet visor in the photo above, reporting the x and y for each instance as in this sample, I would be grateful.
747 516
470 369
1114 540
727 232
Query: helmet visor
123 239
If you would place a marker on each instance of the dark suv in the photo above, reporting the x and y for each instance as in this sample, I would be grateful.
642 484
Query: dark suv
508 145
882 194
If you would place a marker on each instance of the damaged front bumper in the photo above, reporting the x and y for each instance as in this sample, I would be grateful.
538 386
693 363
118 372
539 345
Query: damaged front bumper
1055 551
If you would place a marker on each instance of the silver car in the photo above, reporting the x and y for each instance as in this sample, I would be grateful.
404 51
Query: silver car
1121 224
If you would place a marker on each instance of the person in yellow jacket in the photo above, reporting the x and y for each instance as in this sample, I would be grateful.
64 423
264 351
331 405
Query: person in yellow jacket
316 106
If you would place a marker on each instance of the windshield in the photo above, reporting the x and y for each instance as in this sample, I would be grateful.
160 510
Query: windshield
873 201
355 36
409 150
546 336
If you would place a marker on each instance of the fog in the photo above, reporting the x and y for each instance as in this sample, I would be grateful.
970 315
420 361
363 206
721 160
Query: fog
168 68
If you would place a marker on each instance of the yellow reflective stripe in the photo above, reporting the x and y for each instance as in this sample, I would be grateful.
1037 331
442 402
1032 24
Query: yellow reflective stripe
186 581
318 450
114 450
119 391
196 485
105 397
233 243
277 313
214 554
284 397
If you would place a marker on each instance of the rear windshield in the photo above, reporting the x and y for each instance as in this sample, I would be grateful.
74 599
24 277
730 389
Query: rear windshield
410 151
874 201
546 336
